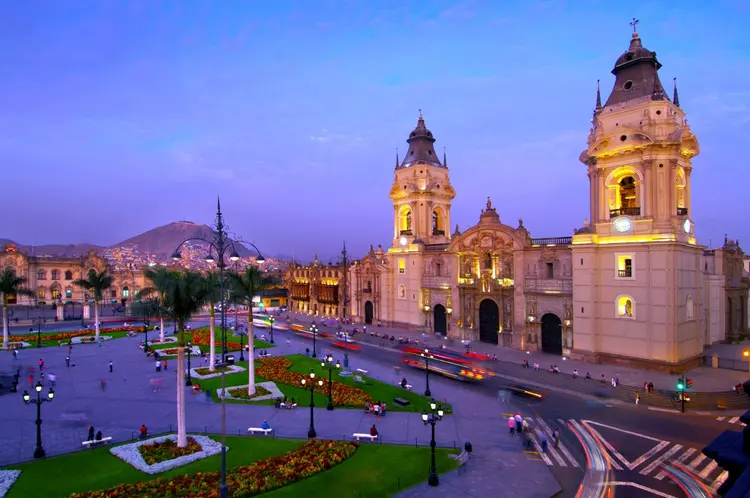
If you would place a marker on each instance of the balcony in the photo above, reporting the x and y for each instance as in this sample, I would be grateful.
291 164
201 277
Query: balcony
436 281
626 273
552 241
549 285
406 232
682 211
631 211
438 232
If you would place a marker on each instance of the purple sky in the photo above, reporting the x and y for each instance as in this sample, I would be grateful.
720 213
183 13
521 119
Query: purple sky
120 116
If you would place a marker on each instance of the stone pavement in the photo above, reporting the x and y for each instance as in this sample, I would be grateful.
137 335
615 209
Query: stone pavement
129 401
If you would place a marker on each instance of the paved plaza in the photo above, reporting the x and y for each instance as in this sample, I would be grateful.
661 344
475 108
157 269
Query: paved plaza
129 401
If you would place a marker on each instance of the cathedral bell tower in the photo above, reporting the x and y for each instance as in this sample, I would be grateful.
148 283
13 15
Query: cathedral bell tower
421 193
636 264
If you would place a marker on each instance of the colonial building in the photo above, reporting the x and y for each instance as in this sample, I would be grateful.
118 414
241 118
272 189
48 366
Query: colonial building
316 289
51 279
632 285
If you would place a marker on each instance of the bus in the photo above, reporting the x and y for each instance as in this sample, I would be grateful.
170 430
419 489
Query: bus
447 363
302 332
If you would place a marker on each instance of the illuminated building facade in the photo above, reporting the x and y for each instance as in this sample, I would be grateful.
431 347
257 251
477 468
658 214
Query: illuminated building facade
316 289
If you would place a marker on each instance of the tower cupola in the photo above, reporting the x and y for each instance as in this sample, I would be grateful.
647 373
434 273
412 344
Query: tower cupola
421 147
636 75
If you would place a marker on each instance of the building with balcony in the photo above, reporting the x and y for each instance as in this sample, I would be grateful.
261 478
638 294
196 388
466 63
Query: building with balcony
316 289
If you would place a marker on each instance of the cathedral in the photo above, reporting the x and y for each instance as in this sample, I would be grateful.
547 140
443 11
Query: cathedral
632 285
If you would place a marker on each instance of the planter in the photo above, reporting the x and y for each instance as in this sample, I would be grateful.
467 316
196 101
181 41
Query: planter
17 345
270 386
230 369
166 352
130 453
89 339
159 341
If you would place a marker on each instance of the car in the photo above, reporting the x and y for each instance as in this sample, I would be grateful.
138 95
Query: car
526 391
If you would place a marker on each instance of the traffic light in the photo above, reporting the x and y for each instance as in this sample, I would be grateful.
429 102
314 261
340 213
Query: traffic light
680 384
689 383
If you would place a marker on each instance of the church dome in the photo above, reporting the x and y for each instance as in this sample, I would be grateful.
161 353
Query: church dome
636 75
421 147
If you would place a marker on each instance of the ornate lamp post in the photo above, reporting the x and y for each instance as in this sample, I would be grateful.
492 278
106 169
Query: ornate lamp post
189 381
38 322
311 384
221 244
145 328
242 346
27 399
314 330
83 307
272 319
433 417
427 357
329 364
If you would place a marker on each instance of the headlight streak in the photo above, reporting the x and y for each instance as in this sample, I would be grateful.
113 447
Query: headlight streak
690 485
595 482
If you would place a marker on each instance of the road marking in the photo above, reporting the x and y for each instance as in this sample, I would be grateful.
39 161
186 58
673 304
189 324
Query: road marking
643 488
539 449
692 466
733 420
720 418
562 447
591 422
653 451
708 469
611 449
653 465
551 450
719 481
682 459
667 410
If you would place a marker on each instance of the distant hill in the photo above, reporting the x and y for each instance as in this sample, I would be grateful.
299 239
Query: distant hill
162 241
63 250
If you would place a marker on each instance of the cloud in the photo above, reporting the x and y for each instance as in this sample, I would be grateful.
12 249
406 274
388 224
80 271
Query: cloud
326 136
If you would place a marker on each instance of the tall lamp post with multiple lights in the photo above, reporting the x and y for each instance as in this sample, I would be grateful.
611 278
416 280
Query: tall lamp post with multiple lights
311 384
330 365
27 399
314 330
434 416
223 246
189 381
427 357
38 322
272 320
242 333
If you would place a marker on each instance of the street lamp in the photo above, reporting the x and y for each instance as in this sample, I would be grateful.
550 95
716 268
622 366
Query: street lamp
427 357
242 346
39 451
314 330
38 322
83 306
145 328
222 244
272 319
433 417
330 366
311 384
189 381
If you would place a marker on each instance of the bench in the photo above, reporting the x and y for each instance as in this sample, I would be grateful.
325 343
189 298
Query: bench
401 401
462 457
90 444
359 436
407 387
362 371
253 430
358 378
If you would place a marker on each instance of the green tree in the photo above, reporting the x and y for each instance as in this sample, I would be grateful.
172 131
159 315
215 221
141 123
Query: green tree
11 285
184 296
160 279
96 283
245 286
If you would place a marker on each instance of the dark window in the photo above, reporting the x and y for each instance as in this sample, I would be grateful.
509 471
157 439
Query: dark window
628 84
550 270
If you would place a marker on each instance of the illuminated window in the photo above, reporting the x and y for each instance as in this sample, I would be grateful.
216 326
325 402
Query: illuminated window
627 193
624 266
405 226
68 293
402 266
55 274
402 292
625 306
41 275
125 292
689 308
41 293
68 275
55 293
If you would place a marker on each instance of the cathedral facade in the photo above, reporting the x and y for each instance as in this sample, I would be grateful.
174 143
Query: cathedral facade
632 285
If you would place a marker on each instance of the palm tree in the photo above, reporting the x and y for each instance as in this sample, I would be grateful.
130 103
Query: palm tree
245 286
97 283
184 296
212 289
10 285
160 279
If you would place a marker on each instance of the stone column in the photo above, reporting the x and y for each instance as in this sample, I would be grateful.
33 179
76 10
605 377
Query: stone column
86 311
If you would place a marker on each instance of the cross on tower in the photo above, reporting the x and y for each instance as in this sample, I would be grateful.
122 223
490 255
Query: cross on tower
420 113
634 23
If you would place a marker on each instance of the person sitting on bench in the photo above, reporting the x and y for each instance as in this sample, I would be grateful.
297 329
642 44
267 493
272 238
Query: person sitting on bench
98 435
143 431
368 406
265 425
374 431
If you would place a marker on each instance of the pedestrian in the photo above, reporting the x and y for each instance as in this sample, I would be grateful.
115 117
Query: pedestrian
645 386
511 425
31 380
158 366
67 361
15 353
543 438
91 433
164 365
111 369
103 384
52 378
637 398
70 347
41 364
519 422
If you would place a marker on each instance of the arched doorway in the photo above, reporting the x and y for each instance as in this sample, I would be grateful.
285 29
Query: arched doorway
489 321
551 334
440 320
368 312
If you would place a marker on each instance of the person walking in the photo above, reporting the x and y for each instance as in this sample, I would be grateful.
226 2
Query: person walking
511 425
15 353
519 422
158 366
41 364
637 398
52 378
111 366
67 361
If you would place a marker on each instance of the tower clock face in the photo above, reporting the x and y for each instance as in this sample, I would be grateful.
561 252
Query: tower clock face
622 224
402 240
687 226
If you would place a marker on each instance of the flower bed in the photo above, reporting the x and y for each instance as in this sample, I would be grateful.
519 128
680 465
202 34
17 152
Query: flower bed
202 337
248 480
88 339
205 373
7 478
131 453
59 336
18 345
194 350
165 341
161 451
277 369
241 393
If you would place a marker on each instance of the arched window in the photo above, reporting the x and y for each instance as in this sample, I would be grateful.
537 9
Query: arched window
41 275
437 223
68 275
68 293
625 306
680 194
627 194
41 293
55 274
402 292
125 292
624 192
689 308
55 292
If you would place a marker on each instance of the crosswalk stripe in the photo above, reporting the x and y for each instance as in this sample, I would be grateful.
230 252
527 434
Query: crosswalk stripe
682 459
697 461
551 450
539 449
719 481
562 447
658 461
708 469
734 420
606 443
653 451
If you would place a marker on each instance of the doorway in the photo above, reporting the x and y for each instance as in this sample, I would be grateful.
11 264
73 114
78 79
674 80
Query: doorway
440 320
368 312
552 334
489 321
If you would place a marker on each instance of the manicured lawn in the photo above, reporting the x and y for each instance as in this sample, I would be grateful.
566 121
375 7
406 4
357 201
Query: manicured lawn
31 339
379 391
374 470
